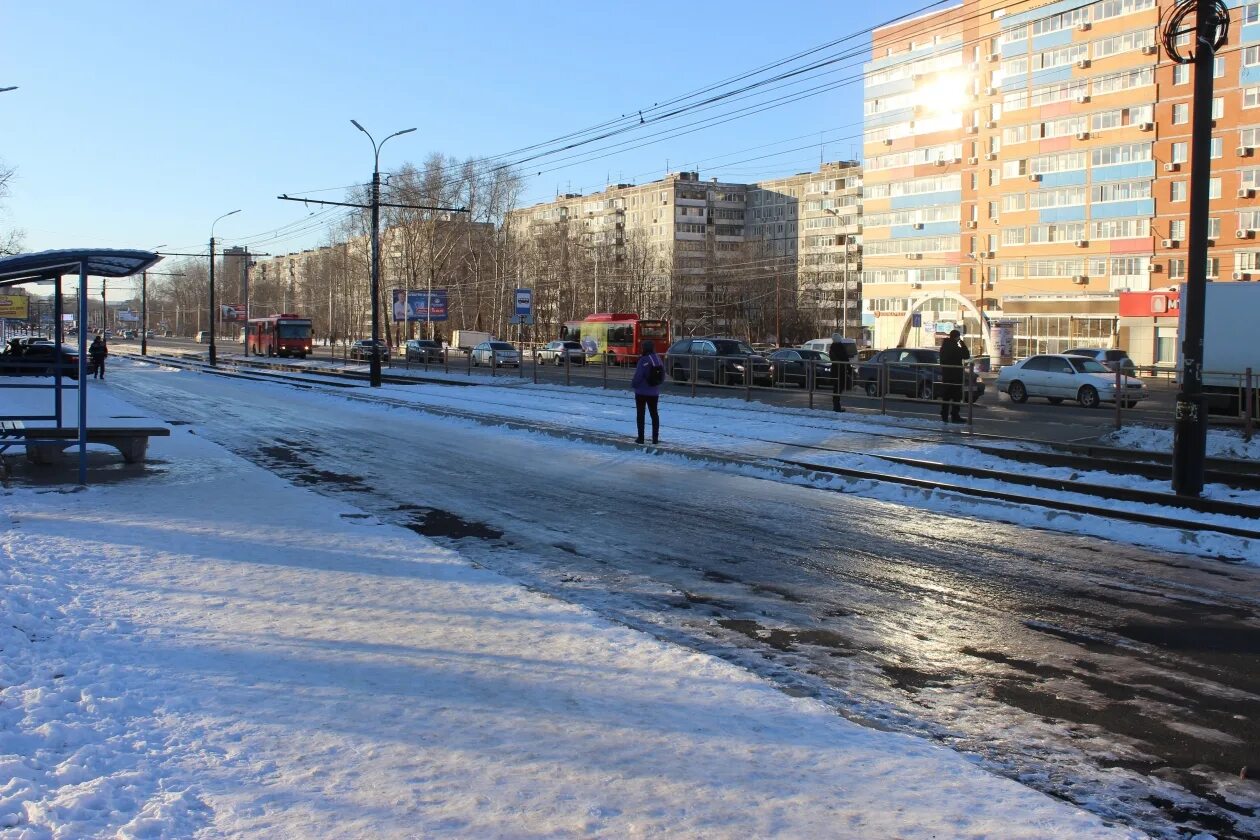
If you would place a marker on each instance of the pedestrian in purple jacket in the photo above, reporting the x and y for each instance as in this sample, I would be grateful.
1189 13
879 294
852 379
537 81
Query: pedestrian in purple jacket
649 373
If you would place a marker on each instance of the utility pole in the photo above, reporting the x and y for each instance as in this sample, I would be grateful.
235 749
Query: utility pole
1210 30
374 377
213 354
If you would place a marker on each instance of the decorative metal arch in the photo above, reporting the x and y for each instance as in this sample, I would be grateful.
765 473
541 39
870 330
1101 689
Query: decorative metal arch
915 305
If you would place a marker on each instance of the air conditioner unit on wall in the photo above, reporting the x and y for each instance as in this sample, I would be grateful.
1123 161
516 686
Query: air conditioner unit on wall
990 124
1082 135
986 255
1083 63
1146 126
1247 192
991 91
971 225
1083 26
1244 151
1172 243
1081 243
1080 279
1150 49
973 129
918 225
1034 177
887 141
1172 167
1242 275
990 155
1082 99
1244 234
972 161
914 256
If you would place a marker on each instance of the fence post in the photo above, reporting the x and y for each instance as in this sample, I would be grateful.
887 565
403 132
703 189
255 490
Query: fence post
748 379
520 366
1120 396
494 363
446 360
1250 421
695 374
567 362
809 380
883 388
969 372
605 367
535 365
470 363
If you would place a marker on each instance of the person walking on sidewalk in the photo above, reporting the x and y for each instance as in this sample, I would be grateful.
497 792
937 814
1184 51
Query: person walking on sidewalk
97 353
842 373
953 354
649 373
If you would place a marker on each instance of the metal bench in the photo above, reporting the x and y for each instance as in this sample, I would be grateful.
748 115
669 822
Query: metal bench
44 444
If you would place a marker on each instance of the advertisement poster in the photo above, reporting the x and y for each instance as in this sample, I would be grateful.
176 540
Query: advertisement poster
413 305
14 306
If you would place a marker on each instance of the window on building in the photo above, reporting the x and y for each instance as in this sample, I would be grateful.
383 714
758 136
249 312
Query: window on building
1218 108
1177 268
1177 229
1214 188
1213 267
1251 56
1181 74
1214 228
1218 148
1249 137
1181 112
1251 97
1251 13
1177 191
1179 152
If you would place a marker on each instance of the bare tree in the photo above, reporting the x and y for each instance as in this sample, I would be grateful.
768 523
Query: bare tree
10 239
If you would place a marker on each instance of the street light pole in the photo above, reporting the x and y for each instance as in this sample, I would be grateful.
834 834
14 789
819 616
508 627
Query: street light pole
374 376
213 356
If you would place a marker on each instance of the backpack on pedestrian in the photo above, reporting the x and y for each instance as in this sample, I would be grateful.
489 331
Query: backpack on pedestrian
655 374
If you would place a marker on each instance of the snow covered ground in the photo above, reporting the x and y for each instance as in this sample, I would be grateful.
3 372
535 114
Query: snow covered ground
179 660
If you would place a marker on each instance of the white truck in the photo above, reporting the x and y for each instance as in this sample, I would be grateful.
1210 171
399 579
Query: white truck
1230 314
468 339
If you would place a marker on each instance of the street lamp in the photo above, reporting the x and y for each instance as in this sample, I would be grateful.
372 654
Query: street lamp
213 356
374 377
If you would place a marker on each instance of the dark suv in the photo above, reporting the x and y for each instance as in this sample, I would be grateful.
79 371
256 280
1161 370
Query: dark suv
423 350
912 372
722 361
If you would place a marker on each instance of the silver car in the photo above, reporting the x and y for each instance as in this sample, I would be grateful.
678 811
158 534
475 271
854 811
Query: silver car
556 351
496 354
1066 377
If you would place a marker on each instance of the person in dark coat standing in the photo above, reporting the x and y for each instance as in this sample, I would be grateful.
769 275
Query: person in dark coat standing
97 353
953 354
649 373
838 350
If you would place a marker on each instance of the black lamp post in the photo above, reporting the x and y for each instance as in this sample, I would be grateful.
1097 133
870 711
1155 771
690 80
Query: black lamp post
374 377
213 355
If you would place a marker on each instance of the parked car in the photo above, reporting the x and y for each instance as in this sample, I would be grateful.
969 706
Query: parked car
556 351
38 358
1066 377
722 361
496 354
423 350
792 367
150 334
912 372
764 348
362 349
203 337
1110 359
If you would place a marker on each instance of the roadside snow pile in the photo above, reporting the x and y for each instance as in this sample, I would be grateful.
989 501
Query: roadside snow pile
1221 443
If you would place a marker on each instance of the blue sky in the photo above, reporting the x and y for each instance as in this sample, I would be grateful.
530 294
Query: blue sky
136 124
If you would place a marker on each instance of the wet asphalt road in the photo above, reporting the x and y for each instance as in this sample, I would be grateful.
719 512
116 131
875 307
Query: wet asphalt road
1125 680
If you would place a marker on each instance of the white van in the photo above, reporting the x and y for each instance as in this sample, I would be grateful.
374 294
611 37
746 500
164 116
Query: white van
823 345
203 337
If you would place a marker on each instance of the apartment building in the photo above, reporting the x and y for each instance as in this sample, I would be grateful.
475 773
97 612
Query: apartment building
1026 165
672 247
808 227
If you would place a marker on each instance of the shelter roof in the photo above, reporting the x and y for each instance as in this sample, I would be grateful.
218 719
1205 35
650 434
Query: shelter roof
98 262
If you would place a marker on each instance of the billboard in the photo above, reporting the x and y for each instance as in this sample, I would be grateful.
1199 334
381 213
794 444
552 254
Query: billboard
413 305
1150 304
14 306
229 312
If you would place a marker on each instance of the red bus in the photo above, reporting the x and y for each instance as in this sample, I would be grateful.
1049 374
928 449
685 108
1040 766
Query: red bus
616 336
279 335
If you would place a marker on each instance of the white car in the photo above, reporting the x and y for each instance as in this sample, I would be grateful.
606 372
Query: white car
496 354
556 351
1064 377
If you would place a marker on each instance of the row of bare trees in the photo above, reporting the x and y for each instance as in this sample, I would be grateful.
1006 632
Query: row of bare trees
10 238
477 256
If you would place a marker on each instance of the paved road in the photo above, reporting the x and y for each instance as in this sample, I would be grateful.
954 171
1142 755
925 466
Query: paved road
1126 680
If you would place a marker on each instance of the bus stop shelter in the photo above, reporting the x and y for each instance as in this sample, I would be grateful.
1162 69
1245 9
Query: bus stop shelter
49 267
